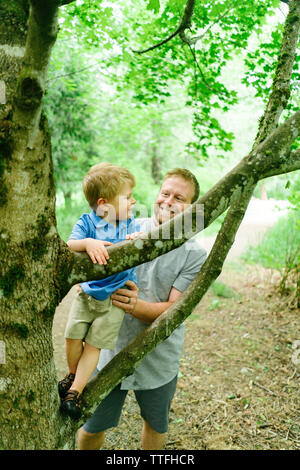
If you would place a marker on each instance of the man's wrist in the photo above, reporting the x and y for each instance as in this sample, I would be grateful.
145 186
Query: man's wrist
135 307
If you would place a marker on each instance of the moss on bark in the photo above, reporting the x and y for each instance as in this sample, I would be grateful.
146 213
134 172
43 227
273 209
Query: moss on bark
9 281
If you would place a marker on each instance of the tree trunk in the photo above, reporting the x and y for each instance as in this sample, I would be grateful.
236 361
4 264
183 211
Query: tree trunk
28 250
68 199
155 158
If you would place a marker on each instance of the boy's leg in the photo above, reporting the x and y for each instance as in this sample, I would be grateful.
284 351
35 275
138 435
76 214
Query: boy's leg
86 366
74 348
77 326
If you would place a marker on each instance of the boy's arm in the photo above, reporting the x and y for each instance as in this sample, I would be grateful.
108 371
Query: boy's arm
94 248
77 245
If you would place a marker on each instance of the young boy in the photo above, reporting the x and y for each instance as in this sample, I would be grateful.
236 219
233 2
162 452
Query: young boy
93 318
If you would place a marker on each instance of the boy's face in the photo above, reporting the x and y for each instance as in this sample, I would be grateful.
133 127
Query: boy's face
123 203
175 193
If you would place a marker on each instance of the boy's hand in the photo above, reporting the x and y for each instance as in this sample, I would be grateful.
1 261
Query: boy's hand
97 251
131 236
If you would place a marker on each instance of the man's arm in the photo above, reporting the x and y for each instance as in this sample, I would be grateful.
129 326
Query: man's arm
147 312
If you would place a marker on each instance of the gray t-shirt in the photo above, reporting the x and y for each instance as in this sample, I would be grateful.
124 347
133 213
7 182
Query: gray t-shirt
155 281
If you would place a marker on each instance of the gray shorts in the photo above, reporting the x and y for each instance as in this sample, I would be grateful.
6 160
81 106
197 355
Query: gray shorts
154 407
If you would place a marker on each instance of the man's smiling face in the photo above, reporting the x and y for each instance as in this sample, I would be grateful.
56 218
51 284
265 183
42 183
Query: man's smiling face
174 194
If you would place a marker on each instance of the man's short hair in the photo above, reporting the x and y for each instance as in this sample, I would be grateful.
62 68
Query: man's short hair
105 180
188 176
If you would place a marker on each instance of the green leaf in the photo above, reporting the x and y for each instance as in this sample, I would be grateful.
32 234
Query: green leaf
153 5
231 397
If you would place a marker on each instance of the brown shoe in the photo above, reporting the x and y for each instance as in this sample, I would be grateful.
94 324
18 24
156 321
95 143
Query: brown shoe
65 384
71 404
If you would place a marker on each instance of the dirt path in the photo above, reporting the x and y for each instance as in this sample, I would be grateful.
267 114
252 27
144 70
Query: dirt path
259 217
245 236
239 377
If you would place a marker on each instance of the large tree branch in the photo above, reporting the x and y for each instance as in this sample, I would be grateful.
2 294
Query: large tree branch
41 36
267 157
184 24
280 92
124 364
291 162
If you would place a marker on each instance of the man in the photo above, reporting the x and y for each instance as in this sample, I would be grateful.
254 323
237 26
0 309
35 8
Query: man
160 284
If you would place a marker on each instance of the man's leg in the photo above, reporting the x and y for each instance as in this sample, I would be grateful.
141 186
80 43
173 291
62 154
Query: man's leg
90 441
91 435
155 406
152 440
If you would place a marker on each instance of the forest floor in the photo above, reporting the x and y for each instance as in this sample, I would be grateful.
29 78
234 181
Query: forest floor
238 386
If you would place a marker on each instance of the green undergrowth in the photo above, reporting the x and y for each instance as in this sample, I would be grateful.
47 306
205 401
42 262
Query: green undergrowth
280 246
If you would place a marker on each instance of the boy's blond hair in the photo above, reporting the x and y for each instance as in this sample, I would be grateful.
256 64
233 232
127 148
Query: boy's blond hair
105 180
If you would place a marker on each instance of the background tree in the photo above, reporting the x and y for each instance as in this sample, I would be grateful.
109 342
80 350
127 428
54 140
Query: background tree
73 128
37 268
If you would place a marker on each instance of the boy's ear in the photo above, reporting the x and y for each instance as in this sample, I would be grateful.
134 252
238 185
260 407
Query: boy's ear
101 208
101 201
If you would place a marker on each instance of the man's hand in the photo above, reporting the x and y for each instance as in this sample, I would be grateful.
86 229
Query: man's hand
126 298
97 251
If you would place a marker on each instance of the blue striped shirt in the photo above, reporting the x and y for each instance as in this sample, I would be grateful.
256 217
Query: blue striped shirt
92 226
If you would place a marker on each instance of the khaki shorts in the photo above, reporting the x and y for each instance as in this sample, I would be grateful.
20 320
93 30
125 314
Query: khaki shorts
96 322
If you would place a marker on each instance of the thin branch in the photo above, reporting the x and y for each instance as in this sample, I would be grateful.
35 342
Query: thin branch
201 72
184 24
73 73
199 68
61 3
194 40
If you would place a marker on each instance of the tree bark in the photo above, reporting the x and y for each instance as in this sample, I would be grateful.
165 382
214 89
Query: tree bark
29 243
